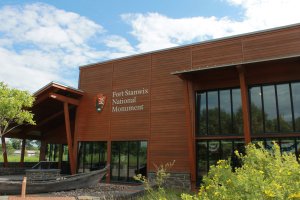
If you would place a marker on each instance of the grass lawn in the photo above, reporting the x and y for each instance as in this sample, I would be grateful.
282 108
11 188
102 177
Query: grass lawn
16 158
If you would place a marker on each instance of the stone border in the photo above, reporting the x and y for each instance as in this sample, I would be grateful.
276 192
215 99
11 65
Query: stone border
177 180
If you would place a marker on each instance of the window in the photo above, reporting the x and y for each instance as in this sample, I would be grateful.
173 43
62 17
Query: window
52 152
275 108
128 159
287 145
210 151
219 112
91 156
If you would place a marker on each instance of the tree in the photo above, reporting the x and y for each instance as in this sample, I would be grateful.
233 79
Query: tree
264 174
16 143
14 111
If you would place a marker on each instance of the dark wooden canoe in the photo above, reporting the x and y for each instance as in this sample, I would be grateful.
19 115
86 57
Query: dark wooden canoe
63 183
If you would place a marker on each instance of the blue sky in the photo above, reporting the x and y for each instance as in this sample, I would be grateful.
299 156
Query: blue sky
43 41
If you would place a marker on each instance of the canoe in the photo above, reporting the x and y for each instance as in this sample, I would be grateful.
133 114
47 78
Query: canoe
64 183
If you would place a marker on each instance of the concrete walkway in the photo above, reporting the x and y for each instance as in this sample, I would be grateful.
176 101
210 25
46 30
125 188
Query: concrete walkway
41 198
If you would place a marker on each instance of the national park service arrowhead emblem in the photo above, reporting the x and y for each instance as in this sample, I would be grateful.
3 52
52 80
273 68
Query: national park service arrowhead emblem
100 102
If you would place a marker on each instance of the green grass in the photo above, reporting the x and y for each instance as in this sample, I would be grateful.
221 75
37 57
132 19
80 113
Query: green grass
16 158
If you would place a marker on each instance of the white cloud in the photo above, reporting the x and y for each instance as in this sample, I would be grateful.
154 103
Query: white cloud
40 43
119 43
155 31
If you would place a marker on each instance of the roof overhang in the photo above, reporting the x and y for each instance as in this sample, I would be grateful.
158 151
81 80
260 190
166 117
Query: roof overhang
48 110
206 68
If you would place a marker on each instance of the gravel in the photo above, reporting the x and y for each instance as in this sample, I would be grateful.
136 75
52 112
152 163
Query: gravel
102 191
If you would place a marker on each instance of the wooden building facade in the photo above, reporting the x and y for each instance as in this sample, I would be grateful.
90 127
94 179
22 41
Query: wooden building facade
193 104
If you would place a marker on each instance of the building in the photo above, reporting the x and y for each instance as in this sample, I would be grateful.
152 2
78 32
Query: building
193 104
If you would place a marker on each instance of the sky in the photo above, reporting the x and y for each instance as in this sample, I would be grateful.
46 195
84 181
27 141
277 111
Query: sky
48 40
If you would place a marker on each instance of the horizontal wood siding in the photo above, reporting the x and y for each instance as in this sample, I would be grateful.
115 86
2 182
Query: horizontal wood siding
168 122
132 74
91 125
267 45
264 73
217 53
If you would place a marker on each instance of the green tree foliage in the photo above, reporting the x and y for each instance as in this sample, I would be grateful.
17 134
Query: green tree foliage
265 174
13 108
16 143
230 124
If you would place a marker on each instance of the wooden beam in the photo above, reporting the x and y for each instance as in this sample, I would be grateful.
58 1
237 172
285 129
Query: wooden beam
190 135
245 103
60 155
43 122
22 152
108 160
46 120
43 150
69 137
4 152
64 99
40 99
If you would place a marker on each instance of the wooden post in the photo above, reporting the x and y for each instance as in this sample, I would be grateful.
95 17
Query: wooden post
43 150
22 153
4 152
60 155
108 160
245 103
69 137
190 135
23 193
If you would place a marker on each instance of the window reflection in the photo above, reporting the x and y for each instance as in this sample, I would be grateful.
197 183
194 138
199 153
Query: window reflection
225 112
128 159
270 109
288 146
91 156
298 149
213 113
256 110
202 115
237 112
219 112
296 104
284 108
114 165
123 166
210 151
202 160
214 152
275 108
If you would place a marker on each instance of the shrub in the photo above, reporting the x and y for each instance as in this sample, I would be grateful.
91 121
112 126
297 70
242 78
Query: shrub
264 174
155 189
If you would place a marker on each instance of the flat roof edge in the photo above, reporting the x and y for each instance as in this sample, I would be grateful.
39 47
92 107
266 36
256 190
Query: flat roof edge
233 64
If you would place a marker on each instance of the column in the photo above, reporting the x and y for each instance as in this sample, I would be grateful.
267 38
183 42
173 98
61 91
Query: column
245 103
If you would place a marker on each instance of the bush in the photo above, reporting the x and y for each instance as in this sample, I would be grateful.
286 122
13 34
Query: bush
265 174
155 189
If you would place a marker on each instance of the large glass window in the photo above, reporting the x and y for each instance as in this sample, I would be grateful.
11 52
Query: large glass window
52 152
128 159
275 108
91 156
287 145
219 112
295 89
58 157
210 151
